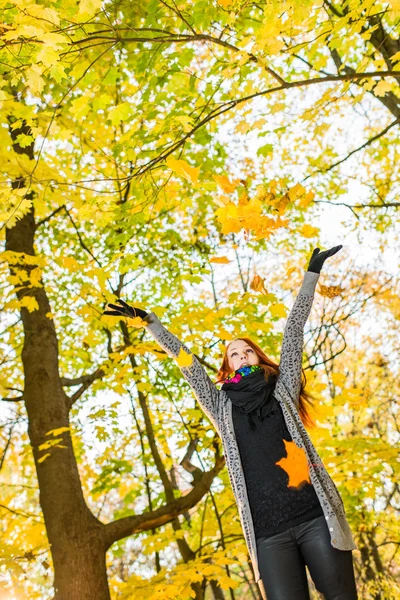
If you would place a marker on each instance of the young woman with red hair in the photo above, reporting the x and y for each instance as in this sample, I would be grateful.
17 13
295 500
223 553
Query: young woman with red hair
291 512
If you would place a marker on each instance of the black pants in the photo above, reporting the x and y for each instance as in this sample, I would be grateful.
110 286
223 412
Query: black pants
283 558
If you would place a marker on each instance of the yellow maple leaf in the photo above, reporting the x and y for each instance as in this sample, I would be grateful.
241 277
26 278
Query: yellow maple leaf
278 310
308 231
382 87
89 7
295 464
184 359
227 186
34 79
30 303
181 167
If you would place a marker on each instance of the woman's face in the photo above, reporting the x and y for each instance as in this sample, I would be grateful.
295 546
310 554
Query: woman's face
240 353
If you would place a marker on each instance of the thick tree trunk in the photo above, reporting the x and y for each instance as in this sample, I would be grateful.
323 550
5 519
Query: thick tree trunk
76 537
80 569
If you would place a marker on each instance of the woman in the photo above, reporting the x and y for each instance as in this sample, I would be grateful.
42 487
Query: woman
291 512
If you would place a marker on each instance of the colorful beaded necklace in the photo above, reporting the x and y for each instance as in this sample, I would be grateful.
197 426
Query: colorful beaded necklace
237 375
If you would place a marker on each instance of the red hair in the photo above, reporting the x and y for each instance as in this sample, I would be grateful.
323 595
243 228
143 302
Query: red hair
271 367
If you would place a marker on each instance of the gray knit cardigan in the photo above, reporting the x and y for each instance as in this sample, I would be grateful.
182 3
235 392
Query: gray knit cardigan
216 404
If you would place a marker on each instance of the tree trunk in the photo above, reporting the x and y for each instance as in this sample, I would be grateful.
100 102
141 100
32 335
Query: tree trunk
80 569
76 537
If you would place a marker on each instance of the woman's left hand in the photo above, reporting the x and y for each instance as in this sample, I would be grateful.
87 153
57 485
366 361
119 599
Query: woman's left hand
318 258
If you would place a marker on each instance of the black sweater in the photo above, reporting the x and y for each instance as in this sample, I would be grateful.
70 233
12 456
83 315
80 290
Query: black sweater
274 506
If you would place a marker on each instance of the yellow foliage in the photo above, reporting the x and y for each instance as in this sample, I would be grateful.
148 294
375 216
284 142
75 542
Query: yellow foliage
181 167
227 186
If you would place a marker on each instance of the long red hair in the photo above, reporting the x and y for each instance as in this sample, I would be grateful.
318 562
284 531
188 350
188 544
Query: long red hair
270 367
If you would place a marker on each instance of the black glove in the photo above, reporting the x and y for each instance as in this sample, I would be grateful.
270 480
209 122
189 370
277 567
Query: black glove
125 311
318 258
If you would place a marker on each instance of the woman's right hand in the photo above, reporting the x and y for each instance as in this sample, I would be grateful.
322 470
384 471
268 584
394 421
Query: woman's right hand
125 310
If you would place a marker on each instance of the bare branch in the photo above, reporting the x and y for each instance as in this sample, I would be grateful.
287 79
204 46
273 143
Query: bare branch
39 223
189 466
367 143
85 380
121 528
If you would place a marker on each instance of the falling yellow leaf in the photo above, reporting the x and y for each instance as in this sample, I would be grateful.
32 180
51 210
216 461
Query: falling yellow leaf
184 359
181 167
330 291
308 231
220 259
295 464
278 310
225 184
290 271
257 284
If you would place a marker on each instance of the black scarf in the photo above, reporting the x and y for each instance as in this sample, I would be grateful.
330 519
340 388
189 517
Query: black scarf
253 395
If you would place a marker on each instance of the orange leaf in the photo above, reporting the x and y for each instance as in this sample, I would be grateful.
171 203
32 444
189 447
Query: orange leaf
295 464
181 167
220 259
257 284
227 186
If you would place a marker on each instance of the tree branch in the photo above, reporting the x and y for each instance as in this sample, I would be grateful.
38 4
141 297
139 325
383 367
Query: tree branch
233 103
367 143
121 528
85 380
39 223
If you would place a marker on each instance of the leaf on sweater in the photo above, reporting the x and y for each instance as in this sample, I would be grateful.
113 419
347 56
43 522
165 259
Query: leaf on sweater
295 464
184 359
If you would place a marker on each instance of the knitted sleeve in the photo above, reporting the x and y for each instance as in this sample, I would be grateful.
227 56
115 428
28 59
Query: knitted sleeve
293 338
204 389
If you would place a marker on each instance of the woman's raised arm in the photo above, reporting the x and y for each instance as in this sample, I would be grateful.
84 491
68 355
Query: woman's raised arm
205 390
290 365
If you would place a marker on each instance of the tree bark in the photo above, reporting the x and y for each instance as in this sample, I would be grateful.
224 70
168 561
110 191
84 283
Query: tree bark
76 537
